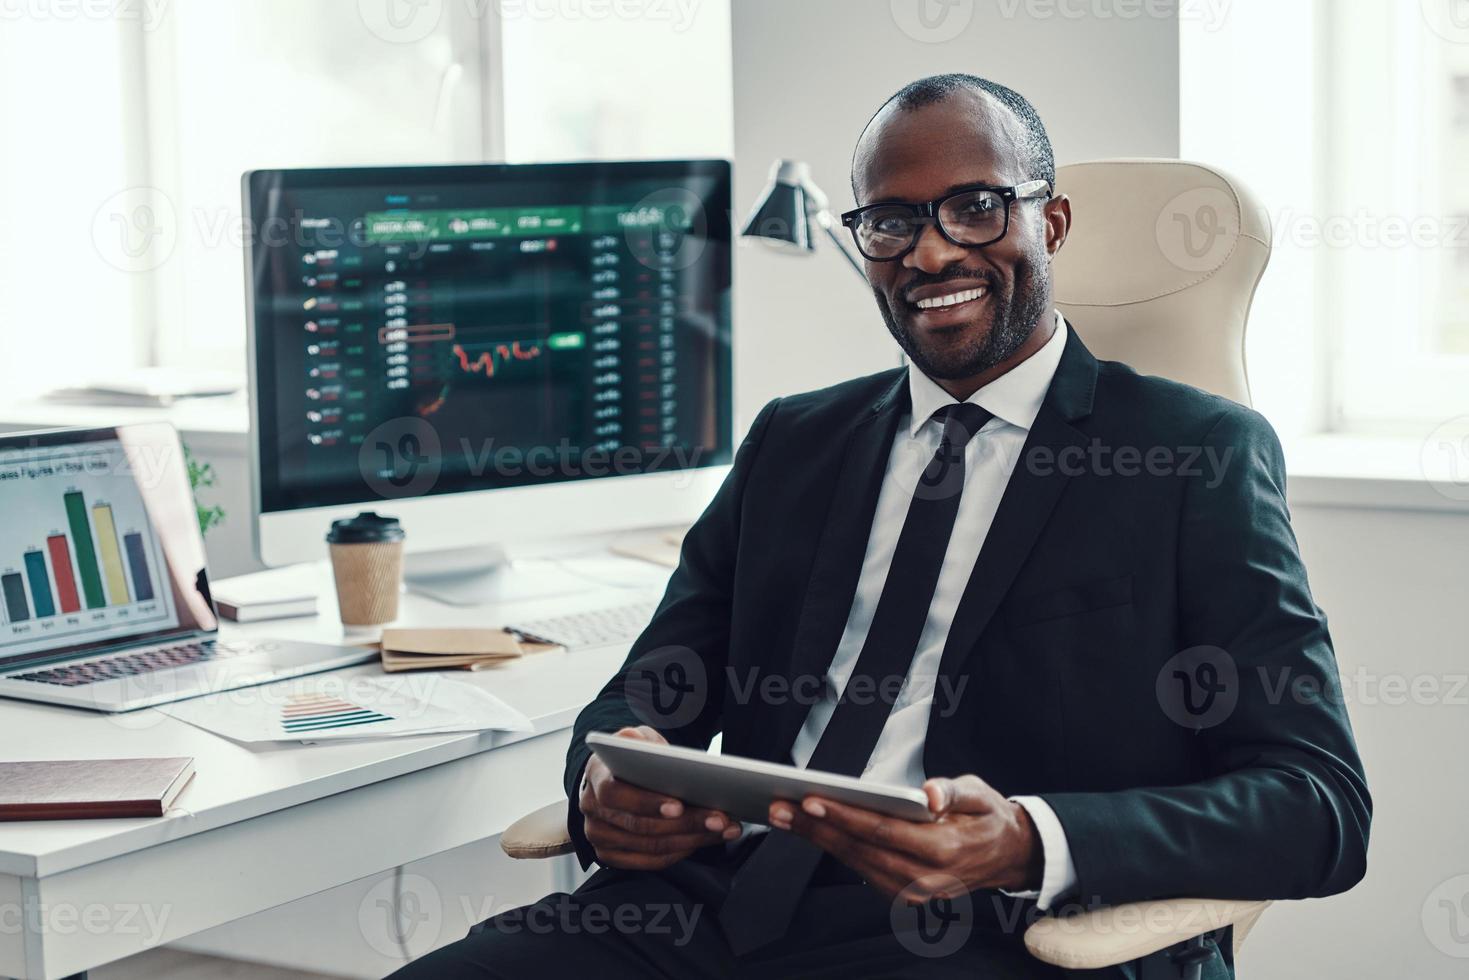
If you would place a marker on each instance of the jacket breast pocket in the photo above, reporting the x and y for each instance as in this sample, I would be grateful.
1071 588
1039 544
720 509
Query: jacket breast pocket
1070 600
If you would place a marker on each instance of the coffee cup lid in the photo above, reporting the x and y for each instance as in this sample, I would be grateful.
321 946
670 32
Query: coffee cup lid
367 527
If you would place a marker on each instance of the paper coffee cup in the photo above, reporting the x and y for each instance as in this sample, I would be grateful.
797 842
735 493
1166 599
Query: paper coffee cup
367 563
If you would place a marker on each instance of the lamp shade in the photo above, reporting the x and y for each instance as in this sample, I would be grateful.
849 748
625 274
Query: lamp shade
783 212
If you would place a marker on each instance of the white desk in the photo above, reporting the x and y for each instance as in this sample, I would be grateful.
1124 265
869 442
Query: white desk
266 826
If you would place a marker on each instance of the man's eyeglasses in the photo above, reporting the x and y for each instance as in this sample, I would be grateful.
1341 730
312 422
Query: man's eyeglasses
972 217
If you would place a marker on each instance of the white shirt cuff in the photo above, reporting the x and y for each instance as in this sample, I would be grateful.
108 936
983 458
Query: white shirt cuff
1058 875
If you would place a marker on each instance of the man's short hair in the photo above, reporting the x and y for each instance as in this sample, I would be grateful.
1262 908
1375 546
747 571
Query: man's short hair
1035 147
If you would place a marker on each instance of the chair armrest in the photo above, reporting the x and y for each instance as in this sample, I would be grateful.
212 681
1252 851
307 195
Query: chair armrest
539 834
1119 934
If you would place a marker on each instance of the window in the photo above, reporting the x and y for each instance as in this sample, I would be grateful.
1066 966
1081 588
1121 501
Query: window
1400 280
137 147
1356 139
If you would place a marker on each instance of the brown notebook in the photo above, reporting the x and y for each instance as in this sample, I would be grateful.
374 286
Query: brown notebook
70 789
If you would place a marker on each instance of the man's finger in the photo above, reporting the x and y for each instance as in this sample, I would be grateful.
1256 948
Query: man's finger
613 792
854 848
691 822
643 733
964 794
891 833
605 834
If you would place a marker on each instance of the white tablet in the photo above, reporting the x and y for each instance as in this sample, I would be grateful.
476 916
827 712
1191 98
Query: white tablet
745 788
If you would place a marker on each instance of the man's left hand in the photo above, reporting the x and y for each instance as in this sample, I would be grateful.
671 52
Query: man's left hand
979 840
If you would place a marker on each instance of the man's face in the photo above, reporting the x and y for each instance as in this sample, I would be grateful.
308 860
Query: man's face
919 155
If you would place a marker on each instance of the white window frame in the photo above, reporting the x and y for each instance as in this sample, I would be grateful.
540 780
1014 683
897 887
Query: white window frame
161 329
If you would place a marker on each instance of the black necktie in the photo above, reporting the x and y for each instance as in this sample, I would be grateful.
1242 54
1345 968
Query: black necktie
770 883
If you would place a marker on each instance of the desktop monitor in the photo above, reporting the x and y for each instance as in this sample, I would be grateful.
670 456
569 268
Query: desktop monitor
489 353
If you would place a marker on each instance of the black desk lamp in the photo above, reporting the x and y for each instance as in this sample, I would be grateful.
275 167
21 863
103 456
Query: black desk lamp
788 207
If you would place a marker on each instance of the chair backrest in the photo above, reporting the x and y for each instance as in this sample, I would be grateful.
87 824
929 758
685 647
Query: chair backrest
1160 268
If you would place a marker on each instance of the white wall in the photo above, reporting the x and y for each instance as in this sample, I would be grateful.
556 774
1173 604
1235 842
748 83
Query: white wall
1393 585
809 74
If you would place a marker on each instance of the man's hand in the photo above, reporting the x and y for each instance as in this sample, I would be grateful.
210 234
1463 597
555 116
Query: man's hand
980 840
634 828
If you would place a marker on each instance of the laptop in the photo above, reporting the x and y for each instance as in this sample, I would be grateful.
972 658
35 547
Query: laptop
104 594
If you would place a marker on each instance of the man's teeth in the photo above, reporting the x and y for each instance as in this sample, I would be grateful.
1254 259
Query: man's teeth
950 299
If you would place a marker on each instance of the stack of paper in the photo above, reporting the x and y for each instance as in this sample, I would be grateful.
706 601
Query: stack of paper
441 649
336 706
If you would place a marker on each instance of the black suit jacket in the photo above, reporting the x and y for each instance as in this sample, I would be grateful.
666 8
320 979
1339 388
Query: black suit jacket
1137 643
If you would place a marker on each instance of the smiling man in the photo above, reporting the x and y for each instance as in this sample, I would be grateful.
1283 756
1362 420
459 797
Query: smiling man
975 619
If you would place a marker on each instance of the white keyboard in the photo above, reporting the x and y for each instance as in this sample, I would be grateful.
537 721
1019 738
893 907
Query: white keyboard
595 628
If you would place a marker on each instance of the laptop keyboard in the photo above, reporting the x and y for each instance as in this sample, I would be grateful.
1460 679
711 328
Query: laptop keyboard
127 665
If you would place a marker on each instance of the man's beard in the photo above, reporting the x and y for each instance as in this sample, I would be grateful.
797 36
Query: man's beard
1016 313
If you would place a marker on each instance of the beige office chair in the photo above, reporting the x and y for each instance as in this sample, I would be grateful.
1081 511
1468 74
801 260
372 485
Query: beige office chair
1159 272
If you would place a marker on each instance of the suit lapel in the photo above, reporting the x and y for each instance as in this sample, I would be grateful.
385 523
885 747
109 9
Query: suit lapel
1035 485
837 566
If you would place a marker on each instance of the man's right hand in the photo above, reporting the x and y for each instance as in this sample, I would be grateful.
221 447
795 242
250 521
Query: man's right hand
640 830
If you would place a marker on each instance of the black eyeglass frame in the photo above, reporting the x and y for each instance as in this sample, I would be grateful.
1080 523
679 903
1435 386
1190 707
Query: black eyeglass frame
928 213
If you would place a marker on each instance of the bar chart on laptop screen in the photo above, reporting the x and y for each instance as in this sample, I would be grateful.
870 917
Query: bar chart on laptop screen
79 561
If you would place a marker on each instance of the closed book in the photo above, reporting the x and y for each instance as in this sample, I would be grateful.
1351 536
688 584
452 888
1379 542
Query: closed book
70 789
254 612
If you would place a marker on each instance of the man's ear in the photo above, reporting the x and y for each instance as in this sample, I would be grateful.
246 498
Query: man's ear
1058 223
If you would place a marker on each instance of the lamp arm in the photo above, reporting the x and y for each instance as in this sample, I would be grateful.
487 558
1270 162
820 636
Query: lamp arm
824 219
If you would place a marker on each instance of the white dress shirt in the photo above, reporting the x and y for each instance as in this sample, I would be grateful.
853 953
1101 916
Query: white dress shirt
1013 399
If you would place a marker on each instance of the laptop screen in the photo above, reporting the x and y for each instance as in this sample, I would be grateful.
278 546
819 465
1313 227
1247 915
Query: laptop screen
100 543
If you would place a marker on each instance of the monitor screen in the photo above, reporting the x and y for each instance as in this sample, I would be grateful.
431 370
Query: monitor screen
421 330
